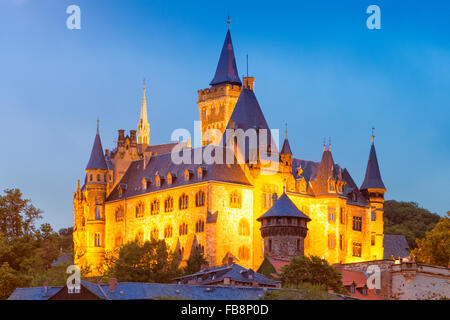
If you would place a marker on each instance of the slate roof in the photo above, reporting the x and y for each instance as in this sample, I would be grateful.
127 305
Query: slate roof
226 71
396 246
160 148
131 182
286 149
234 271
97 159
372 180
35 293
148 291
284 207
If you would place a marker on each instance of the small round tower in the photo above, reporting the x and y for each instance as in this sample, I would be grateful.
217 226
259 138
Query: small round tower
283 228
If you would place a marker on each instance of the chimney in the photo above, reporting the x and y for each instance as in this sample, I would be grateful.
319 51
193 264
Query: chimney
45 285
106 152
121 139
249 83
133 137
112 284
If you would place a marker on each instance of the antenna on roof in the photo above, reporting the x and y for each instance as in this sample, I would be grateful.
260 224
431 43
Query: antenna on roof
373 135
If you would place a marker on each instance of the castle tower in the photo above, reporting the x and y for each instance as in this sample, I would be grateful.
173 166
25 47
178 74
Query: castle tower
283 228
143 131
96 188
217 102
373 189
286 155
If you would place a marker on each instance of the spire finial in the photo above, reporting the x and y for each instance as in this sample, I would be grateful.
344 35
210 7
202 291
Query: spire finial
285 131
98 126
324 145
373 135
329 143
228 21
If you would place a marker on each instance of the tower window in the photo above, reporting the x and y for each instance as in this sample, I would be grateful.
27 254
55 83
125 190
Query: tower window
98 215
270 245
98 178
356 249
168 231
200 226
331 241
357 223
168 204
244 227
97 240
183 229
372 240
200 199
298 245
235 200
183 202
374 215
331 212
341 242
342 217
119 214
154 207
244 253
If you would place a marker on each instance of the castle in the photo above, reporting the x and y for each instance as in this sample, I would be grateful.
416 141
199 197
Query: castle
136 191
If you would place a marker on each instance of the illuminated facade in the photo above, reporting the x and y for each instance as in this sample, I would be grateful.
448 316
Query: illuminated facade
136 191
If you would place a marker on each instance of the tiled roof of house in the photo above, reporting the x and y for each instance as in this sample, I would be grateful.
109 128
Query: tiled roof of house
234 271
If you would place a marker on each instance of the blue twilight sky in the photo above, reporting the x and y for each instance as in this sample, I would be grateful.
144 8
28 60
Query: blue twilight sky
316 64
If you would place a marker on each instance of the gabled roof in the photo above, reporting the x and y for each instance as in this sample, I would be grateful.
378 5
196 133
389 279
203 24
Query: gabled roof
284 207
325 171
396 246
97 159
234 271
286 147
226 71
372 180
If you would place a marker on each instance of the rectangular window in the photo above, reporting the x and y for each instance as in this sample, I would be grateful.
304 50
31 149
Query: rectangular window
341 242
356 249
372 240
330 214
357 223
374 215
331 241
341 216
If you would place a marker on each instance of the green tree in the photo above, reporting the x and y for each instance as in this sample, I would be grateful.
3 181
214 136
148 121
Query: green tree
195 262
408 219
313 270
10 279
148 262
434 249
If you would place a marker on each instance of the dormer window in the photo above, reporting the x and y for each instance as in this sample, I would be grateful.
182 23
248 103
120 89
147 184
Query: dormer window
186 175
331 186
144 184
199 173
169 178
157 181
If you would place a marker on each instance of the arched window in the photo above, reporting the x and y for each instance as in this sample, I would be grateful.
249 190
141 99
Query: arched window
168 231
244 253
183 229
119 240
200 199
183 202
119 214
200 226
98 213
140 237
154 234
140 209
155 207
168 204
98 178
97 240
235 199
244 227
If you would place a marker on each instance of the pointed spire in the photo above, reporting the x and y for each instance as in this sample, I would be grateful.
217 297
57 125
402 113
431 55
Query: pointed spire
286 149
143 132
372 180
226 71
97 159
